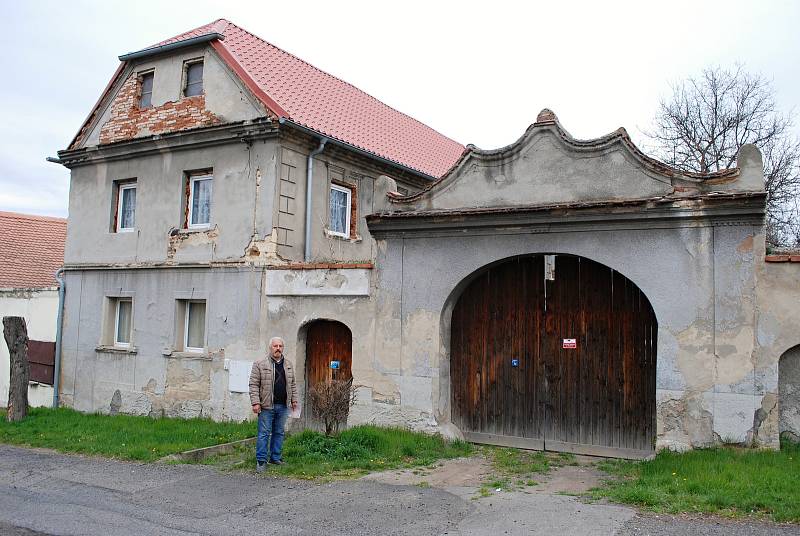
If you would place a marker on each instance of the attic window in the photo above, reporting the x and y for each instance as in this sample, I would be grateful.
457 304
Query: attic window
146 97
194 79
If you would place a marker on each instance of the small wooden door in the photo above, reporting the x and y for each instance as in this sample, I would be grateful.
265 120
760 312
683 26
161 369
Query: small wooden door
556 354
326 341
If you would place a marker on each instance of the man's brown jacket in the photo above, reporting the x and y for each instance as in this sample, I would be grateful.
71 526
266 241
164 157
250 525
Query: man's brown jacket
262 382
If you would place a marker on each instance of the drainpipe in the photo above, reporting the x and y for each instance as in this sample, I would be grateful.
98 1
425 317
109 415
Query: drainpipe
309 173
62 286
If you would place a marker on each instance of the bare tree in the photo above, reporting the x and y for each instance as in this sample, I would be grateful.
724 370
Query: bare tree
707 119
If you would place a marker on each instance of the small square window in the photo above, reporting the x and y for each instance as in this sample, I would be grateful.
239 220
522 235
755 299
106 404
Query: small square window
146 96
125 214
199 201
194 79
340 211
192 325
123 321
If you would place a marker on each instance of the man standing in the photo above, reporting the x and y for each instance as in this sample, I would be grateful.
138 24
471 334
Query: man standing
272 391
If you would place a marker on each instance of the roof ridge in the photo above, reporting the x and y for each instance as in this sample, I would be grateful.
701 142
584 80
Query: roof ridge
23 216
345 82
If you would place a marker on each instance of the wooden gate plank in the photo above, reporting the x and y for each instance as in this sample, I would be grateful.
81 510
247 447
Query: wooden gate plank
600 394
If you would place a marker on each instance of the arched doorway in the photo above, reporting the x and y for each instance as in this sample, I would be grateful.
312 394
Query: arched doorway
327 341
789 394
555 352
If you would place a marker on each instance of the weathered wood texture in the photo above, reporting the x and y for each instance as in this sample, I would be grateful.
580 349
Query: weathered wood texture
327 341
601 393
16 336
41 359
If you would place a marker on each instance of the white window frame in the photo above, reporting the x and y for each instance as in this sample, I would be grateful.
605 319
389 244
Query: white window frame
186 347
117 342
349 208
190 201
122 187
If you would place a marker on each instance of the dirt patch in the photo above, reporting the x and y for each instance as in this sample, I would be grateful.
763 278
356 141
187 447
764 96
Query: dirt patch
571 479
480 473
460 472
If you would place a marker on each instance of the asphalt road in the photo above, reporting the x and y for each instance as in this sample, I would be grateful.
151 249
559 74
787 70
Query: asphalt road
46 493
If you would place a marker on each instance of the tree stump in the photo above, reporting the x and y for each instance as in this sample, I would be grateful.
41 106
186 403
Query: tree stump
16 335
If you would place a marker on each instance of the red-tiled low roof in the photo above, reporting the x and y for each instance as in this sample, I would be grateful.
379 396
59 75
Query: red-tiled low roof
291 88
31 250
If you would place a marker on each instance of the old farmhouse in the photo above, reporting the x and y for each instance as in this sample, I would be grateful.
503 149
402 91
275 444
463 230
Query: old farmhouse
556 293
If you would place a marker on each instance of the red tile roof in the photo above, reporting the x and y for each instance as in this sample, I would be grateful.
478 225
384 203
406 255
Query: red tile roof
296 90
31 250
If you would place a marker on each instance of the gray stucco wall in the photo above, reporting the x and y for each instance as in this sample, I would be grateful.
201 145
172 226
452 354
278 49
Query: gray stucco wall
160 182
705 389
154 379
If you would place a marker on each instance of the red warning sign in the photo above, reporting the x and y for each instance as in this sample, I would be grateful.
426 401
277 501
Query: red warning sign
569 343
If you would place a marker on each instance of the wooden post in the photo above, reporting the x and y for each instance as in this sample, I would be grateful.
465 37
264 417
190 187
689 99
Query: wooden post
16 335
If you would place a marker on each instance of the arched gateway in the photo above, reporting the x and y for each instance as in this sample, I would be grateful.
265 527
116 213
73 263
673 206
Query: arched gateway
555 352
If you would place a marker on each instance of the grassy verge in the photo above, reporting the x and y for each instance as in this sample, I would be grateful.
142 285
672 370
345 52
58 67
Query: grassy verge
723 481
351 453
121 436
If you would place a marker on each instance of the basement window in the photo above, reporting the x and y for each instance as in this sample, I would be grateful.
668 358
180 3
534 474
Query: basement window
125 210
191 323
194 78
198 203
146 94
123 322
340 208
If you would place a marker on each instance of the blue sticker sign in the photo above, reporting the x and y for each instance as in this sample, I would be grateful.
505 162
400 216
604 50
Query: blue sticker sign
334 365
515 362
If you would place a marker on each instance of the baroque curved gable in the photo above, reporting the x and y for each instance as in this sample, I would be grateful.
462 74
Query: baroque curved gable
548 166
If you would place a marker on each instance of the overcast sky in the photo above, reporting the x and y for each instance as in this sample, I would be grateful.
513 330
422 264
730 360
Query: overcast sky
478 73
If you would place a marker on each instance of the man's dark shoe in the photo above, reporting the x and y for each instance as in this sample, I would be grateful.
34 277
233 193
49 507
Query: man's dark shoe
277 462
261 467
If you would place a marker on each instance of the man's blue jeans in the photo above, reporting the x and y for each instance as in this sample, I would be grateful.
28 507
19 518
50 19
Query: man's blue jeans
271 424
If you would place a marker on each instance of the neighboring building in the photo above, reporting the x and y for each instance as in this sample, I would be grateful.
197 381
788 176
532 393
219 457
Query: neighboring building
571 295
31 251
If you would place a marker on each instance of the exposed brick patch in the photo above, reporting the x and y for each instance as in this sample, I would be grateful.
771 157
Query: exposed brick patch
128 121
321 266
782 258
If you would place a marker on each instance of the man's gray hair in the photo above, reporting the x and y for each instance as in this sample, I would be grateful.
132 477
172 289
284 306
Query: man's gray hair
273 339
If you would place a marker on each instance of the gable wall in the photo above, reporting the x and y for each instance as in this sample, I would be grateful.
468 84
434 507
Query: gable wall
225 99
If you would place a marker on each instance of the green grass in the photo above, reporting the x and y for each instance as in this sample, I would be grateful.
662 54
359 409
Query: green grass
724 481
353 452
121 436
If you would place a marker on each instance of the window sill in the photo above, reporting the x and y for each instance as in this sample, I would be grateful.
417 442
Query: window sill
116 350
203 356
335 236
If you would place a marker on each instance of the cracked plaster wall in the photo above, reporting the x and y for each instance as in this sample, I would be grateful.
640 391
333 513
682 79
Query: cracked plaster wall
238 169
708 386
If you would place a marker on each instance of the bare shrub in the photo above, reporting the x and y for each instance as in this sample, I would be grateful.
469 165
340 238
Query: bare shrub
331 401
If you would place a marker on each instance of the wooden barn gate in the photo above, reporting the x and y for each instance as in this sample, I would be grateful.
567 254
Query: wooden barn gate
555 352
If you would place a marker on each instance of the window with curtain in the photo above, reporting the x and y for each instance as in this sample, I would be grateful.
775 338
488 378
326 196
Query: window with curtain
126 207
195 327
123 322
339 221
194 79
200 201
